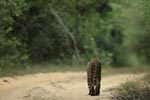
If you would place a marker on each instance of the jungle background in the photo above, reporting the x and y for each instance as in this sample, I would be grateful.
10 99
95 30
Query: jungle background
71 32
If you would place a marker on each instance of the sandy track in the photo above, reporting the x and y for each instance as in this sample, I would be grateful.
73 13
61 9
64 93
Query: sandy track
57 86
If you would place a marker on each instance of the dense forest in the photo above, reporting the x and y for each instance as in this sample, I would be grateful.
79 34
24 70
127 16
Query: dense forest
73 31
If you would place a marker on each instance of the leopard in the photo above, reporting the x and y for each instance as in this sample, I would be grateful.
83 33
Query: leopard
94 76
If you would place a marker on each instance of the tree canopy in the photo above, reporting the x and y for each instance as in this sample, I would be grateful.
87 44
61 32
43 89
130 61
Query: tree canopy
73 31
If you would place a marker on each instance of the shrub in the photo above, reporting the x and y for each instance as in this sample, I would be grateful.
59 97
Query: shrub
134 90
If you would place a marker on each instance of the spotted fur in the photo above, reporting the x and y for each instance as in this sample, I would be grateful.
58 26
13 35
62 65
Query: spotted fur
94 76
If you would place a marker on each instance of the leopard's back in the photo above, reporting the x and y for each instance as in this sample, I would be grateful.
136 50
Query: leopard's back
93 73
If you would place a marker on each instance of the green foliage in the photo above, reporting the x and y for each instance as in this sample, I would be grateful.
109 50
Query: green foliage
29 31
143 46
10 46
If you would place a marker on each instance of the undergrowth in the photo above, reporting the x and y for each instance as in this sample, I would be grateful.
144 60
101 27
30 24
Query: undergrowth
134 90
46 68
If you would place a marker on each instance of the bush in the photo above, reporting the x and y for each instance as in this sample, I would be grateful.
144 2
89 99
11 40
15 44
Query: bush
12 50
134 90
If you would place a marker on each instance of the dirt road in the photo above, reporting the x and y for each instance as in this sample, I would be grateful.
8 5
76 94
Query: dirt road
57 86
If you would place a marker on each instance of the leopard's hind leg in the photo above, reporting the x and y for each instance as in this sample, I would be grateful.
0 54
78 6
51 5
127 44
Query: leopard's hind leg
97 89
91 91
